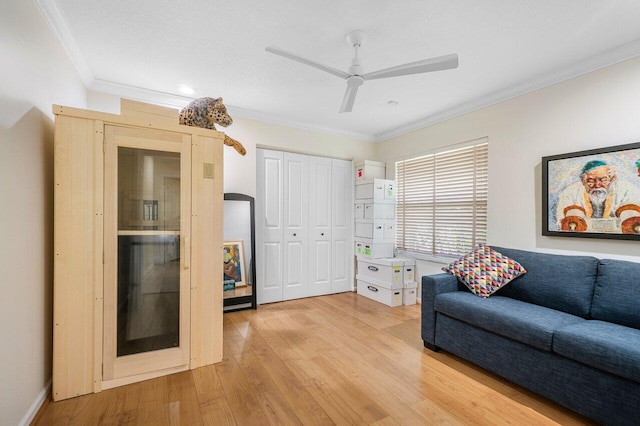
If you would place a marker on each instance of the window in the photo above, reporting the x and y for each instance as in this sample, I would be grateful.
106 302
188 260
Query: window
441 208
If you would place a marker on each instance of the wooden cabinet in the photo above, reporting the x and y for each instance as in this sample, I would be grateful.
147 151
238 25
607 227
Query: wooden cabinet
137 246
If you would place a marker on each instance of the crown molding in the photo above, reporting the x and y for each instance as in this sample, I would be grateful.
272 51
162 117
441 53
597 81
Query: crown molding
594 63
140 94
50 12
176 101
273 119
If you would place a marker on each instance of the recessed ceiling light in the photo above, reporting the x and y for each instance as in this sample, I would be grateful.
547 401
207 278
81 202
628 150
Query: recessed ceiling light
186 90
392 103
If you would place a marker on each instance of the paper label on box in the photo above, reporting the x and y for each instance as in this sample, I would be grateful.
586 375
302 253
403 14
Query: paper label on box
397 273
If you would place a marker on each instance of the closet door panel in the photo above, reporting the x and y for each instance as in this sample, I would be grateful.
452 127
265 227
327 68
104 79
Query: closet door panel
342 225
296 211
320 218
269 226
272 277
340 266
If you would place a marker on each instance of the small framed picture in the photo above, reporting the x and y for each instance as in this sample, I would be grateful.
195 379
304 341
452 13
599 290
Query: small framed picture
594 194
233 263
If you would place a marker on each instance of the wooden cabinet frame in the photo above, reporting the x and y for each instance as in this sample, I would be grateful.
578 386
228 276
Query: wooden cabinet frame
79 255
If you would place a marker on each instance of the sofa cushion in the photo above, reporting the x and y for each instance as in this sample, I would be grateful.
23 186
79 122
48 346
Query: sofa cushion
521 321
484 270
609 347
617 293
560 282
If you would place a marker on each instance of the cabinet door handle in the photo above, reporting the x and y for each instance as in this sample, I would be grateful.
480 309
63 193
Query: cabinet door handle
372 288
322 233
373 268
294 234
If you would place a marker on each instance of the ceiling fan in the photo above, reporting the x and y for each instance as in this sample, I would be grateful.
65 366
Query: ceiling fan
356 75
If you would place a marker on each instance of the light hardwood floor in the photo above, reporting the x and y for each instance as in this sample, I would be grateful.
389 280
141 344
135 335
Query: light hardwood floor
338 359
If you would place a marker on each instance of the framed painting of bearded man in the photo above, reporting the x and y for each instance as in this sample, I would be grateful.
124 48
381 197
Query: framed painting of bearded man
594 194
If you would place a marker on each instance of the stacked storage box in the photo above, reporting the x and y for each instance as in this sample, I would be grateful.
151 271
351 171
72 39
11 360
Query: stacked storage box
388 280
375 217
410 286
381 280
381 277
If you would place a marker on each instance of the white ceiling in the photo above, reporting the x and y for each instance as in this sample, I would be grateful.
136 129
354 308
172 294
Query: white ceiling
145 49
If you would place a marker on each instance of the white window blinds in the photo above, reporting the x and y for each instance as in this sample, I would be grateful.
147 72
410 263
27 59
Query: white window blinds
441 207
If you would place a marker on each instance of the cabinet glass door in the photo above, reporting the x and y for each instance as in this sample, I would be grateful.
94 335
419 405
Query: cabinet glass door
147 283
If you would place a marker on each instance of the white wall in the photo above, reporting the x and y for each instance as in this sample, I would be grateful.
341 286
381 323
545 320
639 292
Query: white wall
595 110
35 74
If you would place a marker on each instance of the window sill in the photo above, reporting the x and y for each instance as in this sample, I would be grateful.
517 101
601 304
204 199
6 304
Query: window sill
426 257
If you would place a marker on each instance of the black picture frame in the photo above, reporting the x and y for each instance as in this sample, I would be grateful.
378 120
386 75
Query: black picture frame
610 175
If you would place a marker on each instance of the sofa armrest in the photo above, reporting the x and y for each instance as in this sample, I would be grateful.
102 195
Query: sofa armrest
433 285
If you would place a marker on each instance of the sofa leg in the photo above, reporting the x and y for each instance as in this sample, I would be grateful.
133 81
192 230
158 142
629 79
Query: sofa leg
430 346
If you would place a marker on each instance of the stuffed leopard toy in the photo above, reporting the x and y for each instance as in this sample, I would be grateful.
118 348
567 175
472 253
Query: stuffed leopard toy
206 112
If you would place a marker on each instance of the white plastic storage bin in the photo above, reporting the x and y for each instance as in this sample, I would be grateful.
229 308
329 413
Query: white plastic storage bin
376 230
368 250
386 272
366 169
376 190
388 296
365 210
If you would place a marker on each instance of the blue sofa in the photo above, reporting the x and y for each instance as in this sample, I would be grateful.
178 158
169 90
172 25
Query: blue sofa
568 329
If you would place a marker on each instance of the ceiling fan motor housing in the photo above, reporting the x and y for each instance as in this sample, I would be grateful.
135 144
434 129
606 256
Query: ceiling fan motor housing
355 80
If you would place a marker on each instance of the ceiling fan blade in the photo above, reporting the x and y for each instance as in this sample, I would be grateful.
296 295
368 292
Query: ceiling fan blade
427 65
353 83
280 52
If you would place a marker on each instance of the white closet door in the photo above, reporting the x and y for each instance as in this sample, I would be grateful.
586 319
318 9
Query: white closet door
296 233
304 226
269 225
342 226
319 226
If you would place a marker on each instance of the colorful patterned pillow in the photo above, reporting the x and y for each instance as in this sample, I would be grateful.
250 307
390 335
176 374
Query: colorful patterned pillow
485 270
